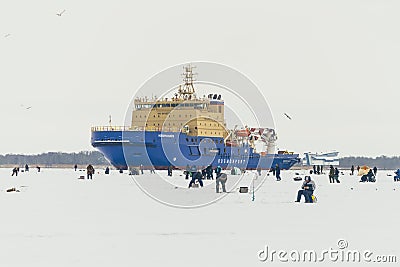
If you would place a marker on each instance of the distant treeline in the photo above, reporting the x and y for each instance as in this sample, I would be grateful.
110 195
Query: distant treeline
381 162
55 158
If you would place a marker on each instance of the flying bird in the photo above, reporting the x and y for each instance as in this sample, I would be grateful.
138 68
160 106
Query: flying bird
28 107
60 14
287 116
7 35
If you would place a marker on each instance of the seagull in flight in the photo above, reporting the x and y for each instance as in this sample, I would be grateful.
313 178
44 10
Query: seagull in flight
287 116
28 107
7 35
60 14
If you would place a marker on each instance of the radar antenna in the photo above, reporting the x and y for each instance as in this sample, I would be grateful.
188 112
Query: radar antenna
187 89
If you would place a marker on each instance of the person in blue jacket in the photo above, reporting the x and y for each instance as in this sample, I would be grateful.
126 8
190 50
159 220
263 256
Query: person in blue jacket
397 177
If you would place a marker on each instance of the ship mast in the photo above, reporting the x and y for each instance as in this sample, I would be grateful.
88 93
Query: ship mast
187 89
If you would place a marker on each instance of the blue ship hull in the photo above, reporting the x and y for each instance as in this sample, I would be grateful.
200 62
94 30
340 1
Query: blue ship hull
161 149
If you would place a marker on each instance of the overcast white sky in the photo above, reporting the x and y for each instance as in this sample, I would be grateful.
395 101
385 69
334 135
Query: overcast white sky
332 65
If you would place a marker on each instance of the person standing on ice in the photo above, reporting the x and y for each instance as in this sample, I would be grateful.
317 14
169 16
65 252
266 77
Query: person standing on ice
307 190
314 169
318 169
352 170
375 170
331 174
170 170
90 171
358 168
218 171
278 172
15 171
336 175
141 168
75 167
26 168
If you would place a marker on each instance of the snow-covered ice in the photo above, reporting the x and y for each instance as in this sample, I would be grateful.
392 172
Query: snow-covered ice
59 220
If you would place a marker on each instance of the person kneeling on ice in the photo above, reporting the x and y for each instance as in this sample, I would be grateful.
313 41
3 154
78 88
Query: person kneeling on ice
196 176
307 190
397 177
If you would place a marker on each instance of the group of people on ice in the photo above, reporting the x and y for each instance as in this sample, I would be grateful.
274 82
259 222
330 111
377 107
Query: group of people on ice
207 173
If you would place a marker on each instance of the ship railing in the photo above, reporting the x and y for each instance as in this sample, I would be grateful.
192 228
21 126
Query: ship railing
110 128
127 128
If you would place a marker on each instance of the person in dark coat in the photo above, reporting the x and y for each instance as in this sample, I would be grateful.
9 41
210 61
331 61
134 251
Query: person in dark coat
90 171
375 170
352 170
15 171
358 168
322 167
397 176
170 170
314 169
26 168
278 172
196 176
307 190
331 174
336 175
38 168
318 170
75 167
107 171
187 172
209 171
371 176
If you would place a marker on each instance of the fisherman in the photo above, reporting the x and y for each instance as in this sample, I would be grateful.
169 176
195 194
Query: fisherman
152 170
397 176
259 170
278 172
90 171
272 170
187 172
170 170
15 171
196 176
352 170
307 190
26 168
375 170
75 167
218 171
203 173
221 179
107 171
141 168
331 174
209 172
336 175
371 176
